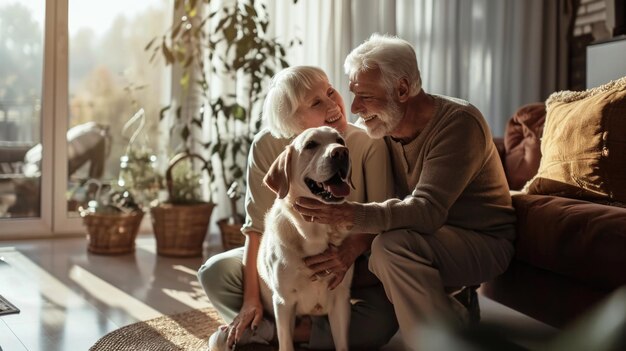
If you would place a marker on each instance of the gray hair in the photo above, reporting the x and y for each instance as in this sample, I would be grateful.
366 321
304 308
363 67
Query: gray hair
286 93
394 57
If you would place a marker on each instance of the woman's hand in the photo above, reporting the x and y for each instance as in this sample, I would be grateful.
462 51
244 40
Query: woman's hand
341 215
337 260
249 316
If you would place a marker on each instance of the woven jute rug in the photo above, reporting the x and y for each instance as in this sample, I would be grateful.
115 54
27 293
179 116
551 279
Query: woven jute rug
184 331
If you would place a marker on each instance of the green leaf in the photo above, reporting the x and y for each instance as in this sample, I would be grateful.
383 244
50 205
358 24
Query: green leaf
193 3
235 149
167 54
176 30
184 80
238 112
221 23
188 62
230 33
238 173
222 152
185 133
153 56
179 110
162 112
251 11
216 147
149 45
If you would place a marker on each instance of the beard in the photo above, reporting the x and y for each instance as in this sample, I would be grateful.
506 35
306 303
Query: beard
386 121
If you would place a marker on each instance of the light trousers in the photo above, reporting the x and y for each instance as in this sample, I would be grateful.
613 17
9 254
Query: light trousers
414 269
372 320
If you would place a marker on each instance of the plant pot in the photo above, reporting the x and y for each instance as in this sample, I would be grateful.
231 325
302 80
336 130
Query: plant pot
231 233
180 229
111 234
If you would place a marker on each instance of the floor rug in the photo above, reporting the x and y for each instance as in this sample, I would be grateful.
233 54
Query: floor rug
185 331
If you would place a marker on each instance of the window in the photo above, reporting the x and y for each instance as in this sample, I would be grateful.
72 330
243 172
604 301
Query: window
62 110
21 76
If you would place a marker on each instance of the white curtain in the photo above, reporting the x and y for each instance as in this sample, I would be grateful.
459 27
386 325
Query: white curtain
489 52
329 30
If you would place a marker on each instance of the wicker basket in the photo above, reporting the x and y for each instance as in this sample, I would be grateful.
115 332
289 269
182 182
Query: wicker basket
180 229
231 233
111 234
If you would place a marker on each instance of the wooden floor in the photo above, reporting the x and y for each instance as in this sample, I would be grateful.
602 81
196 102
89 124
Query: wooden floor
70 298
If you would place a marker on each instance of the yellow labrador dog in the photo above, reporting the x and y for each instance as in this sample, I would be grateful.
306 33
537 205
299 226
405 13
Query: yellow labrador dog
316 164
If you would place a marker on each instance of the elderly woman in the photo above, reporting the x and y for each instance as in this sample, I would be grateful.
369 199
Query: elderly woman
299 98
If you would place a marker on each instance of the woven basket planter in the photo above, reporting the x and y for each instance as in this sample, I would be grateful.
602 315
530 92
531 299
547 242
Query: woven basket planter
180 229
231 233
112 234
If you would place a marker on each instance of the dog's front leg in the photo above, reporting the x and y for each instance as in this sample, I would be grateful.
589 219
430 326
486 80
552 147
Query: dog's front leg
339 318
285 322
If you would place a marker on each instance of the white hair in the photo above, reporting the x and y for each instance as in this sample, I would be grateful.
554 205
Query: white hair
286 93
394 57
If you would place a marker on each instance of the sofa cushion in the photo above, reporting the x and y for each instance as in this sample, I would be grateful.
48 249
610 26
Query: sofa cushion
584 144
522 153
576 238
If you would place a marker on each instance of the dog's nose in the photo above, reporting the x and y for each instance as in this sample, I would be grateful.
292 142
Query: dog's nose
339 153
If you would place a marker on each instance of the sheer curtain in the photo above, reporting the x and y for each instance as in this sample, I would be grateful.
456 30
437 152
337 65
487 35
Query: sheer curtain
497 54
329 30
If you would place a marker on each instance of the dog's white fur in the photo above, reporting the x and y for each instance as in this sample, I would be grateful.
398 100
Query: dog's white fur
286 287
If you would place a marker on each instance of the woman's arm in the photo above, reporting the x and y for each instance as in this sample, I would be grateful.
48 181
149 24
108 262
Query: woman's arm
258 200
251 311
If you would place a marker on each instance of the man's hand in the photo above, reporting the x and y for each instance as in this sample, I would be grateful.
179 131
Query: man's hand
337 260
341 215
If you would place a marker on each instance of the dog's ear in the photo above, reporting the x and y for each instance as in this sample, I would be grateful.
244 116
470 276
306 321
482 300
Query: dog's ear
277 178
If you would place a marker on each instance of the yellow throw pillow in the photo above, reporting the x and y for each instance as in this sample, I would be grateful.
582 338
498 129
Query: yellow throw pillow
584 144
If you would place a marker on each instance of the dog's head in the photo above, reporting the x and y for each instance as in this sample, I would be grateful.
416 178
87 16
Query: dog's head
315 164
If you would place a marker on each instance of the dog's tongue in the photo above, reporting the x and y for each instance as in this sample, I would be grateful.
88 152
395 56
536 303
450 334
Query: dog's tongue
338 189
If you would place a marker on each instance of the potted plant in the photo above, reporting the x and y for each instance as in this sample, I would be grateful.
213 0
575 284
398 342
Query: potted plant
138 164
230 227
180 224
229 44
112 220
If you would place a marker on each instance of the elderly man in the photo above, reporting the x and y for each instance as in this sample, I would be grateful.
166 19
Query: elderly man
452 221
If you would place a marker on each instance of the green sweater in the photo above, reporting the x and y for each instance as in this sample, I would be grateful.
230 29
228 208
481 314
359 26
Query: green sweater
451 174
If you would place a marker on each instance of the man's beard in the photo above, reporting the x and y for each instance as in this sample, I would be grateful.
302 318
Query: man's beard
388 120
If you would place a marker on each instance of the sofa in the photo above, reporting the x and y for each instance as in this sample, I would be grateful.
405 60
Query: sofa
571 216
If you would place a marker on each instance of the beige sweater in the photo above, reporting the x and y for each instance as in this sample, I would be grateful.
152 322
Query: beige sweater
371 172
451 174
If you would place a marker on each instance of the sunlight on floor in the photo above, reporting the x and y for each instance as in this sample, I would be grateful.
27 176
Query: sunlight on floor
196 298
110 295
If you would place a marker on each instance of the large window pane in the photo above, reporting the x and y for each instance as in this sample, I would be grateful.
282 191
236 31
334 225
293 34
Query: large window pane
110 79
21 68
